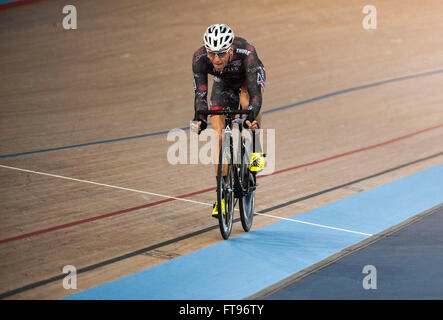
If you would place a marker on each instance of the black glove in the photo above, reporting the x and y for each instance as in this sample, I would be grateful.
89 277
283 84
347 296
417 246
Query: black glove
203 124
250 118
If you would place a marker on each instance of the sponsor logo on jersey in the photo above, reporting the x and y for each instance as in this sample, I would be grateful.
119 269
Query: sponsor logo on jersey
200 56
244 51
231 69
261 79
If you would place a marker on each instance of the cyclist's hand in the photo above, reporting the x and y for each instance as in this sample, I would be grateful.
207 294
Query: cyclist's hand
198 126
252 125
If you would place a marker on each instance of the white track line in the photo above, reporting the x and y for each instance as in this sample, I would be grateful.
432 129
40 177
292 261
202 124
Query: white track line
314 224
104 185
170 197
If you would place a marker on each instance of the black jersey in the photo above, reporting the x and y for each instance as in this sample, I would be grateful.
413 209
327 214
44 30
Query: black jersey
243 68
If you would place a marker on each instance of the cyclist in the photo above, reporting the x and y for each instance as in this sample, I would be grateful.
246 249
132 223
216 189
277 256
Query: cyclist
239 79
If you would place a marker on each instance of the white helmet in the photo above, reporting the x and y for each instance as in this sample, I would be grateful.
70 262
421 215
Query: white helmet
218 37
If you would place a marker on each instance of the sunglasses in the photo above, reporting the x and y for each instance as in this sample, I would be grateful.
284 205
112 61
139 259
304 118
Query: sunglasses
220 54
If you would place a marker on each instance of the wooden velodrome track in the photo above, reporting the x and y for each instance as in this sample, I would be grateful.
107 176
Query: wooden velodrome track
126 71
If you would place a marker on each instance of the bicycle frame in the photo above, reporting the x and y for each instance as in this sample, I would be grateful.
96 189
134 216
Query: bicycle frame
228 120
238 186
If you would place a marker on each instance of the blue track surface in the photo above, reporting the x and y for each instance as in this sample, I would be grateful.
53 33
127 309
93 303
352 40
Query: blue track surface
242 266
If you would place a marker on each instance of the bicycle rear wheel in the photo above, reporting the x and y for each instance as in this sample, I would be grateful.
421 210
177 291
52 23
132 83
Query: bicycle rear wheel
225 188
247 201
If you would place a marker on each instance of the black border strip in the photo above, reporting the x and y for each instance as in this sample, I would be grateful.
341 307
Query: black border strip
198 232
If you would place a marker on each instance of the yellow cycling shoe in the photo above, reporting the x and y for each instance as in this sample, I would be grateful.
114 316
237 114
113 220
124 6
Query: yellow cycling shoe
215 210
257 162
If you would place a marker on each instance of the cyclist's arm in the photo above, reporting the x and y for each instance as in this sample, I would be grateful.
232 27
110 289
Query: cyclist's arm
253 79
199 69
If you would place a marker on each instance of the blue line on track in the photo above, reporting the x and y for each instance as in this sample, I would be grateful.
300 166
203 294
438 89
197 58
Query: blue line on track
251 262
325 96
89 143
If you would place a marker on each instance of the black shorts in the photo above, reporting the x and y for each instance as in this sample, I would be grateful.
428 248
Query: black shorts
224 96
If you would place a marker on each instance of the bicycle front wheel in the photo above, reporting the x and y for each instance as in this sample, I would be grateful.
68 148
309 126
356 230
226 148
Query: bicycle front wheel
247 201
225 190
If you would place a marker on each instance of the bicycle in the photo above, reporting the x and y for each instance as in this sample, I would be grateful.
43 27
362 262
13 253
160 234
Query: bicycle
240 182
